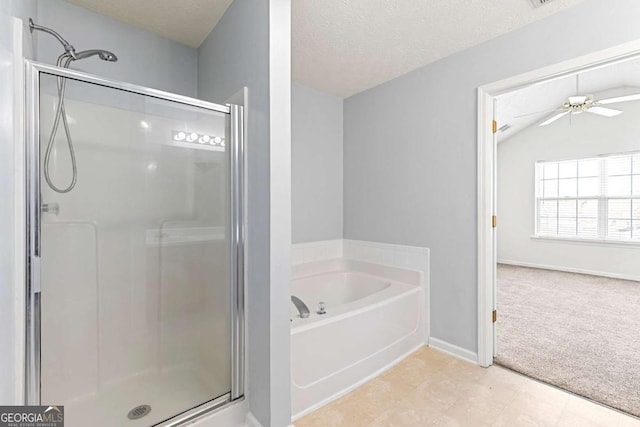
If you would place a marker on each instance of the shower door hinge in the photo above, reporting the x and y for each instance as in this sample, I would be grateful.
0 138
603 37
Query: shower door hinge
494 316
494 221
494 126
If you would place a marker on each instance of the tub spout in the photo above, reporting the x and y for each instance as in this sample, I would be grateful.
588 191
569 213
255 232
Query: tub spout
302 307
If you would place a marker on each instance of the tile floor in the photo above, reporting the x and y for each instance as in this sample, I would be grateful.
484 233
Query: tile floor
430 388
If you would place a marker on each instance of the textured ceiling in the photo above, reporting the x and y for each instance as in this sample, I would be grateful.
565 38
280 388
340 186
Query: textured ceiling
186 21
346 46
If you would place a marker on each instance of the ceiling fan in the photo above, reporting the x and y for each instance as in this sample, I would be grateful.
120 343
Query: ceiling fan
586 103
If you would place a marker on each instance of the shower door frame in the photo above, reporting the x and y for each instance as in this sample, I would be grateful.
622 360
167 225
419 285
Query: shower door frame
33 202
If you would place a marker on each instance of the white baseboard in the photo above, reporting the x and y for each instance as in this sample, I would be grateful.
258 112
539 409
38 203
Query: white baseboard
570 270
453 350
252 421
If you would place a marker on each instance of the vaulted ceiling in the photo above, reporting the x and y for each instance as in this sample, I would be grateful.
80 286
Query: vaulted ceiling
533 104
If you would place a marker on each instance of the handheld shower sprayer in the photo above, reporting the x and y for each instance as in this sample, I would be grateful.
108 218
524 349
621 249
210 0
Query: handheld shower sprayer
64 60
105 55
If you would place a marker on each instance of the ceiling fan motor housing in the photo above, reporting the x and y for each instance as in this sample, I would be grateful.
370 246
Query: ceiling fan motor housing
579 103
538 3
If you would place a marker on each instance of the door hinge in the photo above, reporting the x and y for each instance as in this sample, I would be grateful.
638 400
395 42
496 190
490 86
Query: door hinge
494 221
494 126
494 316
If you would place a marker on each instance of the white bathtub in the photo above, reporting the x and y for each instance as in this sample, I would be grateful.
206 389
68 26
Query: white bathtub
374 318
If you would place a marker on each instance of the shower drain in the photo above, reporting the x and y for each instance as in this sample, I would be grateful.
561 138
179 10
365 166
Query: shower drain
139 412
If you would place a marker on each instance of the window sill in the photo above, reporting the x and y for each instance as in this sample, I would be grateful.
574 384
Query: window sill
594 242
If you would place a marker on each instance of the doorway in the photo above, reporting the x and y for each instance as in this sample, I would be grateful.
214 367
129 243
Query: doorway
589 225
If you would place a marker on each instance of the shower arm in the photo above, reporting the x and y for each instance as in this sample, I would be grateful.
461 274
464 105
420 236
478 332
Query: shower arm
68 48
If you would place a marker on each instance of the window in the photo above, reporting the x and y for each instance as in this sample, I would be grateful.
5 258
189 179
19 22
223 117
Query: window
595 198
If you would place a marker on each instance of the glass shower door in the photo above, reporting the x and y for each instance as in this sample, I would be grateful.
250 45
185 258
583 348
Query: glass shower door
137 270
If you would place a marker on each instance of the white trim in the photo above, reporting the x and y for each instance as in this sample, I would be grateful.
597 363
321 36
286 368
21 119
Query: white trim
355 385
485 231
252 421
278 282
592 242
570 270
486 167
20 236
454 350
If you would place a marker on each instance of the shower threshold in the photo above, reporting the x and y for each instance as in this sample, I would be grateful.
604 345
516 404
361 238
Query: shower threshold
166 394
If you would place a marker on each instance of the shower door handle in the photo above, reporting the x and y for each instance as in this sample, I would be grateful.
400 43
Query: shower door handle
36 269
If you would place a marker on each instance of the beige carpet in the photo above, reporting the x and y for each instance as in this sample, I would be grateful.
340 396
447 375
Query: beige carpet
575 331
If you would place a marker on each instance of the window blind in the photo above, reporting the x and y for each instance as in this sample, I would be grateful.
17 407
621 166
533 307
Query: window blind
593 198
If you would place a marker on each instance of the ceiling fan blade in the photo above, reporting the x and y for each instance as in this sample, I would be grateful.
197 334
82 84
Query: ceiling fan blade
627 98
606 112
554 118
539 112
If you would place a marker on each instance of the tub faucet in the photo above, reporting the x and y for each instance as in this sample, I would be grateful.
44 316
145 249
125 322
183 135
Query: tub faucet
302 307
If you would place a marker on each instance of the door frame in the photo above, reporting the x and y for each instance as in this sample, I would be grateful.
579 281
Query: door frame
486 173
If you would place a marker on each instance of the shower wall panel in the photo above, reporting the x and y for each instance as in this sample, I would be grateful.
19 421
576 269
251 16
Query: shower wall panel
135 258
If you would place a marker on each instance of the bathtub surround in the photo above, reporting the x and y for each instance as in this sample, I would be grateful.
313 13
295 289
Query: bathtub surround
302 253
333 352
410 150
399 256
378 259
316 165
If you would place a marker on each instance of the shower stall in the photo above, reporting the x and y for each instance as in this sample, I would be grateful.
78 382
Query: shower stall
135 274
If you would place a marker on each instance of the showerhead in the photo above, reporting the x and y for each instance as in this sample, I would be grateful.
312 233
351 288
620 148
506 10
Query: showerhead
68 48
105 55
69 51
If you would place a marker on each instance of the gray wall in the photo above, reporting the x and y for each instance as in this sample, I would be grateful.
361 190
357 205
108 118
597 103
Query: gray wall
316 165
410 150
236 54
144 58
